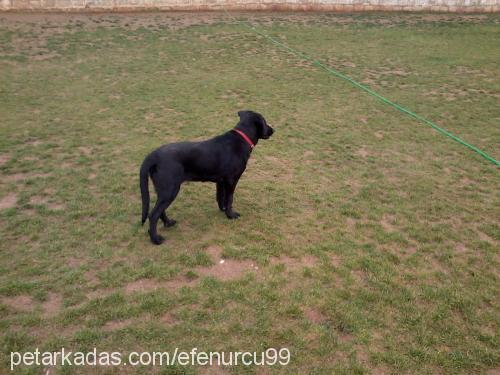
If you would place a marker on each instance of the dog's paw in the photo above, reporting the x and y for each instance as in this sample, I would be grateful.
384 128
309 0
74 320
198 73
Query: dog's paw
158 240
169 223
232 215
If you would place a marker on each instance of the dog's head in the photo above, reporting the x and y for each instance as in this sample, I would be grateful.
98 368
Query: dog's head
264 131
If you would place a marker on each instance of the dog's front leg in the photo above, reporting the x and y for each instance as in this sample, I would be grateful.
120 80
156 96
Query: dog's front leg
167 222
221 196
229 187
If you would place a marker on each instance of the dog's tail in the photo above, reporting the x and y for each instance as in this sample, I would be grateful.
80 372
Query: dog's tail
146 166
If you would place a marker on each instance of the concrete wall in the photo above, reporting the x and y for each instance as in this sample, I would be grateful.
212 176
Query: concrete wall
322 5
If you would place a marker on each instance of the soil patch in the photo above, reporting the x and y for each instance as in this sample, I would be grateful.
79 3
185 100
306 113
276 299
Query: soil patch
87 151
225 269
314 316
386 223
8 201
363 152
222 269
20 303
168 319
4 158
52 305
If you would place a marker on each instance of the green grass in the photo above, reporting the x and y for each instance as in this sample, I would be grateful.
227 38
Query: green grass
376 238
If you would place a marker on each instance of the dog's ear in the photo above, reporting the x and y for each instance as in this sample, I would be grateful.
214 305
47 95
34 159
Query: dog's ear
241 114
265 131
261 125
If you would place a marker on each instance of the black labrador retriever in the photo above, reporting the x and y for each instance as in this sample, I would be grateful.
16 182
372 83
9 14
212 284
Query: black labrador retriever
222 160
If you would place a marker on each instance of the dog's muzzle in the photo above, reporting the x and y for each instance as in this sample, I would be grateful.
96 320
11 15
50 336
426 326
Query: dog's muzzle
270 132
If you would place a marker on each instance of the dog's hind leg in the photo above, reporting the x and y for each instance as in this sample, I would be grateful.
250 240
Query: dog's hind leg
166 221
166 196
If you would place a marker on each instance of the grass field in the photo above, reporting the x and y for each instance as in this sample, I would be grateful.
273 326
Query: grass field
367 243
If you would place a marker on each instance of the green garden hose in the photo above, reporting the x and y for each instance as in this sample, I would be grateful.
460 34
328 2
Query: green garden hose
368 90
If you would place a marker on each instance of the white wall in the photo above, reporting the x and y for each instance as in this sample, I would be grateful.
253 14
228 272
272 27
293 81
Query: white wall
325 5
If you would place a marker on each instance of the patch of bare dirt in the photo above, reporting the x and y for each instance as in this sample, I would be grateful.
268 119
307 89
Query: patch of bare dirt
362 354
435 265
363 119
410 251
149 116
90 276
222 269
35 142
4 158
363 152
387 222
465 182
52 306
314 316
168 319
38 200
56 206
68 165
20 303
74 262
87 151
336 260
69 331
485 238
396 72
359 276
8 201
282 169
351 222
225 269
460 248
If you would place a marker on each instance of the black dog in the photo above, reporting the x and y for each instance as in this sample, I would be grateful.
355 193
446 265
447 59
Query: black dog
222 160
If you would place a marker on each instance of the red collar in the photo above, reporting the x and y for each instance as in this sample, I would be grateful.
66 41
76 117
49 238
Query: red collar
245 137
